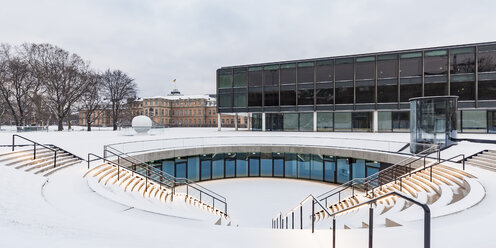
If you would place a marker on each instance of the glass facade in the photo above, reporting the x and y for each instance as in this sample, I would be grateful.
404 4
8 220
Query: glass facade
382 81
326 168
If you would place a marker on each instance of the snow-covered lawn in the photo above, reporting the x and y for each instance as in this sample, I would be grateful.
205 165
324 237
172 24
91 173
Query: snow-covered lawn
65 212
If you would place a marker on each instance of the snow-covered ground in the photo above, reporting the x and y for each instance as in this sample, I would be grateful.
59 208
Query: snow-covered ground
66 212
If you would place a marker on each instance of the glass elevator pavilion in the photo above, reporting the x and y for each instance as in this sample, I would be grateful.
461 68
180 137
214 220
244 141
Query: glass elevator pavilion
433 121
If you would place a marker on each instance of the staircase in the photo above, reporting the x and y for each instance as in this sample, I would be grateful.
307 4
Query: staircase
154 184
45 161
485 159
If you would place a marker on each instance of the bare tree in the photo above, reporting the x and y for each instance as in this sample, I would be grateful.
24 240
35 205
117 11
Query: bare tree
63 77
92 101
16 83
118 88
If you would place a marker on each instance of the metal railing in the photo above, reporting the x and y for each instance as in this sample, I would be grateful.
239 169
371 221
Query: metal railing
282 222
35 144
176 185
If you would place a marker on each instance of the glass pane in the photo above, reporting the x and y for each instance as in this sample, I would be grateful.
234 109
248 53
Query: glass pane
225 78
240 100
487 61
474 121
290 122
181 170
288 75
240 77
230 167
487 90
306 121
362 121
218 166
194 168
365 94
344 93
266 165
325 121
387 68
255 97
371 171
254 166
256 119
225 100
462 63
316 168
387 91
271 96
437 65
324 71
329 170
384 121
491 121
436 89
324 95
344 71
305 74
168 167
401 121
278 167
241 165
411 67
290 165
342 121
255 76
271 76
410 91
464 90
303 166
305 96
206 167
288 96
358 169
365 70
343 172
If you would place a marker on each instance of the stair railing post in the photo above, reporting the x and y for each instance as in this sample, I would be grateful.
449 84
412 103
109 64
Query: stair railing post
55 159
334 232
301 217
34 151
438 155
292 219
463 161
287 217
431 174
371 226
313 215
13 142
88 161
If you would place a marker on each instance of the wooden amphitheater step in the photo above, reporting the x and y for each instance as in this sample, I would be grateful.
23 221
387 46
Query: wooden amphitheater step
58 165
476 164
49 163
61 168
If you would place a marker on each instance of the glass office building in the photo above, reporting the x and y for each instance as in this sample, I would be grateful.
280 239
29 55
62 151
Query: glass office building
366 92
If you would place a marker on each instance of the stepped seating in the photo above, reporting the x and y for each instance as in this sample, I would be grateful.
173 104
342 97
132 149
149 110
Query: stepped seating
129 181
44 162
486 160
445 194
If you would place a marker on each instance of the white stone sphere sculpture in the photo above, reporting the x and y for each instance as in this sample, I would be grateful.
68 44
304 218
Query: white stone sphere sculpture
141 124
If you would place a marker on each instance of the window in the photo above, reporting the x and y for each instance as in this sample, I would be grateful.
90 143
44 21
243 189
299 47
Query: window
474 121
344 69
271 75
306 72
288 95
240 100
387 66
225 100
206 167
290 122
343 170
342 121
317 168
387 90
288 74
487 58
436 62
324 71
218 166
290 165
306 121
305 94
278 159
462 60
384 121
362 121
358 168
401 121
266 165
254 164
254 97
255 76
365 91
344 93
194 168
411 64
240 77
325 121
365 68
241 165
271 96
463 86
324 93
487 89
303 166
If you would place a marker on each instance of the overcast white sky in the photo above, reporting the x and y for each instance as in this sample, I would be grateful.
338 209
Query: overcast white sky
156 41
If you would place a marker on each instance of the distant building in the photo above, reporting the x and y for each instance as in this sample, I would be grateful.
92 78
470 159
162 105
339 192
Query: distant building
100 118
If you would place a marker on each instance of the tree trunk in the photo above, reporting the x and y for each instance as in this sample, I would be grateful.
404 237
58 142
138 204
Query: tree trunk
88 124
60 123
114 123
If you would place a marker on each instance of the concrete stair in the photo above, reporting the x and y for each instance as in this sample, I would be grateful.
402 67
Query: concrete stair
44 162
128 181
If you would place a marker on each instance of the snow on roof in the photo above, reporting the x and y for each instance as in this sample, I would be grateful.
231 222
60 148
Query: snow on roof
186 97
